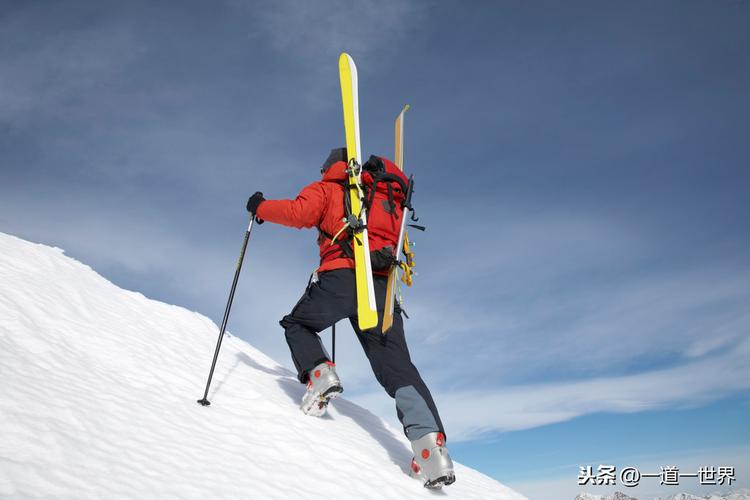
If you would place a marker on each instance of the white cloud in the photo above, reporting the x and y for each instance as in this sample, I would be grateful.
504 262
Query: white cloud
469 414
546 291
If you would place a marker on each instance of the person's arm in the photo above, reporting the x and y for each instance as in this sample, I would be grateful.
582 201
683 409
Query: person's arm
306 210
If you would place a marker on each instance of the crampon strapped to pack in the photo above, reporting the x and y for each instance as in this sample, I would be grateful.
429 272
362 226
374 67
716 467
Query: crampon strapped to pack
385 193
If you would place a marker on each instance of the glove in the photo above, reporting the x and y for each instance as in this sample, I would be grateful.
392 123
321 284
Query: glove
254 201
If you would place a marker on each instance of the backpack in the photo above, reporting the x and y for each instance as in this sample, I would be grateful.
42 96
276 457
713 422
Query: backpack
385 188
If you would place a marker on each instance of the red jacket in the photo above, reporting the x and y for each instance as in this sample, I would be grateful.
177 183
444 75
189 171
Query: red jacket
321 205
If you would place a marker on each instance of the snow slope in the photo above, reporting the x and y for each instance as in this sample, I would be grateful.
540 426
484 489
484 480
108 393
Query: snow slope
99 389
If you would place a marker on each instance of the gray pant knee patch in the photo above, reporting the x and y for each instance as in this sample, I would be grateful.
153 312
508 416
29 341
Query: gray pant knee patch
418 419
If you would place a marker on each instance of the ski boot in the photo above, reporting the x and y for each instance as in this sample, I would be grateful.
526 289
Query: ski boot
323 385
431 461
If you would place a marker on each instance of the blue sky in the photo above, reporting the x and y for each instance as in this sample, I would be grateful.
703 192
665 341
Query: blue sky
582 168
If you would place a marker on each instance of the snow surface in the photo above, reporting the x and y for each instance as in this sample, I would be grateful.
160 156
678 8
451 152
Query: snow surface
99 388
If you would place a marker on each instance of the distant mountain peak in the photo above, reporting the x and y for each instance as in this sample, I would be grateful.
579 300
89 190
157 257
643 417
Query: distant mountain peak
740 494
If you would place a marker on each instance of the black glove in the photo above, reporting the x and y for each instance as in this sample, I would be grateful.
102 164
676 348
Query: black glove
254 201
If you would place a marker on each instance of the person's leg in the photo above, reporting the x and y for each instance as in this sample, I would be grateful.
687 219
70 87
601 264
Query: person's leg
323 303
390 361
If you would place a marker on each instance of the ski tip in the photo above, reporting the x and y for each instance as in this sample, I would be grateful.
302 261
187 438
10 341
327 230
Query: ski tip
406 108
347 68
346 58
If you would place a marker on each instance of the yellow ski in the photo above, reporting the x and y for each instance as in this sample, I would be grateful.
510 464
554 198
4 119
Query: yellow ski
367 311
390 293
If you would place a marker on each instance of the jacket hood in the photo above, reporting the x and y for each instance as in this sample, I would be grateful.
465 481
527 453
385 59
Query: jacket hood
336 172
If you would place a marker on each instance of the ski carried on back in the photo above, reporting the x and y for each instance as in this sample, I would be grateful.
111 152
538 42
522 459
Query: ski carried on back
403 238
390 294
367 311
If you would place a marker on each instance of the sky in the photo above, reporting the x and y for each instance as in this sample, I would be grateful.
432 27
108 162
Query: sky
584 283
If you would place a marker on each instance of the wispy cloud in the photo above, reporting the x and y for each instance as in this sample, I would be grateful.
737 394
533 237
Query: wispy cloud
470 414
564 315
311 35
538 293
317 32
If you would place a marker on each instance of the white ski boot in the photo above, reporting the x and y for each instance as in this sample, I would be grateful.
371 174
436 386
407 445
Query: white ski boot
431 461
323 385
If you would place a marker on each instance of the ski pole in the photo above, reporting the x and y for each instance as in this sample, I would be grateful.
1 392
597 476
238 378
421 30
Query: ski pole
333 343
205 401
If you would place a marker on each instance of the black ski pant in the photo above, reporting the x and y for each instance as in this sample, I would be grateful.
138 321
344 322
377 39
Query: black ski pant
332 298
